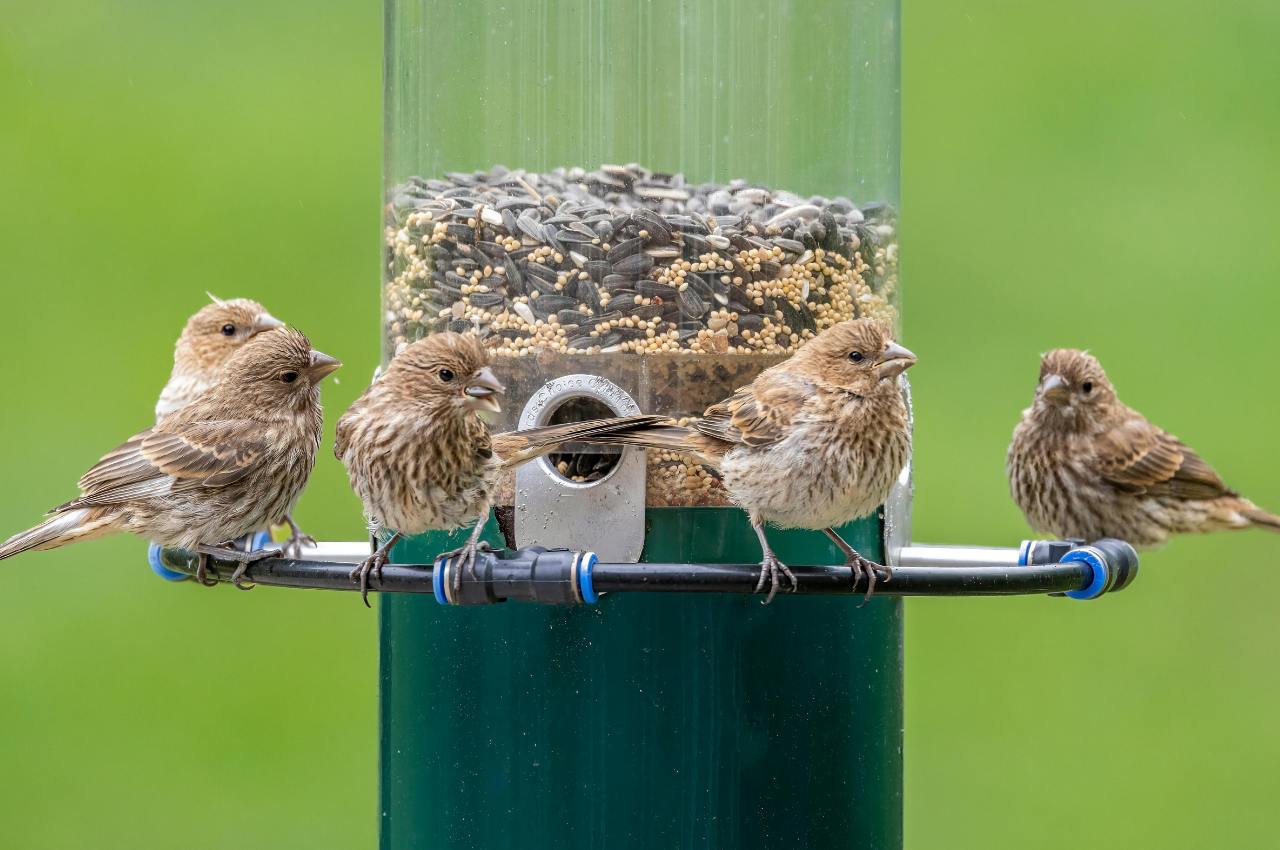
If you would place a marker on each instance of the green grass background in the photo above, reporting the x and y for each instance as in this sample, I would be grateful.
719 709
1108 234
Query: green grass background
1091 174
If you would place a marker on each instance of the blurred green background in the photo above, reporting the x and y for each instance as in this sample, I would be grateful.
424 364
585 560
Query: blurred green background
1090 174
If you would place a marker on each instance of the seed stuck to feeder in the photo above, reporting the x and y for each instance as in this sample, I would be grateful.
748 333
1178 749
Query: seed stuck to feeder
566 270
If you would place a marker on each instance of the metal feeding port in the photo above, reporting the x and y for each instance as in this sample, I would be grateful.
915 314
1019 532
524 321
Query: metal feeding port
582 493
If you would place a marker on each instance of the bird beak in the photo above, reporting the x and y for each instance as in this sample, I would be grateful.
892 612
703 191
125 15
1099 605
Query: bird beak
266 322
1054 389
893 361
322 364
481 390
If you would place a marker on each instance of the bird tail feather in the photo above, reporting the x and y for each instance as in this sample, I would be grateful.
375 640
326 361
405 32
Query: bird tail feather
1262 519
662 437
58 530
534 442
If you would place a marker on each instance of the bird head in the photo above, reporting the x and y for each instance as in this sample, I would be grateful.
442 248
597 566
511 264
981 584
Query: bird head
276 370
859 356
449 371
1072 387
218 330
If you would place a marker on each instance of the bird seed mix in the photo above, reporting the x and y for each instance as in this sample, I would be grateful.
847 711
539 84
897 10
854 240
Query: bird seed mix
578 271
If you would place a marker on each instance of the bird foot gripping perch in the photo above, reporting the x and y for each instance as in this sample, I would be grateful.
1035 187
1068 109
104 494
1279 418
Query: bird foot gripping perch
255 542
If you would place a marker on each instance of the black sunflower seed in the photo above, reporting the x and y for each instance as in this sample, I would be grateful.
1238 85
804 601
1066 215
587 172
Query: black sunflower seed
588 294
646 311
486 299
634 265
653 288
570 317
590 251
624 249
614 283
542 272
544 306
691 303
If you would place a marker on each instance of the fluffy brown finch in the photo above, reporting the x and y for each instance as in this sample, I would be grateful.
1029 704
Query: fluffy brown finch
1083 465
228 463
814 442
209 339
420 457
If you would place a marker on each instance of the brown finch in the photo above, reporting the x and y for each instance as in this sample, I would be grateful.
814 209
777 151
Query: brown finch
1083 465
228 463
420 457
814 442
209 339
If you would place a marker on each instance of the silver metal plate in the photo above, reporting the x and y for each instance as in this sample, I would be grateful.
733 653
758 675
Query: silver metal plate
605 516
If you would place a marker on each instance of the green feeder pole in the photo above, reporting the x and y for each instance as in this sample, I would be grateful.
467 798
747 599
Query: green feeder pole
688 720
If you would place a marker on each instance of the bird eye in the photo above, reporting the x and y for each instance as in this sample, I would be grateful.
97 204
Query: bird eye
288 377
1087 387
228 329
856 356
446 375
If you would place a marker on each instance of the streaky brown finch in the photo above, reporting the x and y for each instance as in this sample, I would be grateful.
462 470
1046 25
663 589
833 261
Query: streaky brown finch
1083 465
419 455
208 340
228 463
813 442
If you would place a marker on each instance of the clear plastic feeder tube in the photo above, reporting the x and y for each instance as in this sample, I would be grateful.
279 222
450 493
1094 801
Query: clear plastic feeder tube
701 185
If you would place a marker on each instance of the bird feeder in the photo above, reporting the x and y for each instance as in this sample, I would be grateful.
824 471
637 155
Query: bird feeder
640 206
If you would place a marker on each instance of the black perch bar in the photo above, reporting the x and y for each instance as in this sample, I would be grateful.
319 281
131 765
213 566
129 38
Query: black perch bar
1081 571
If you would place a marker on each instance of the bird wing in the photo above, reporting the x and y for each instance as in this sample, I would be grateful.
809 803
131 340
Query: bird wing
478 436
116 464
759 414
1138 457
193 454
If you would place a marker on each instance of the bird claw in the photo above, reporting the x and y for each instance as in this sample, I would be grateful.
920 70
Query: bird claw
296 543
372 564
466 555
773 571
863 567
237 577
297 539
202 571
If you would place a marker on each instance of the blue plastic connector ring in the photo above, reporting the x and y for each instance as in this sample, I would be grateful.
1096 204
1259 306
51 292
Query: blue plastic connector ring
1024 552
158 567
585 585
437 580
1094 559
